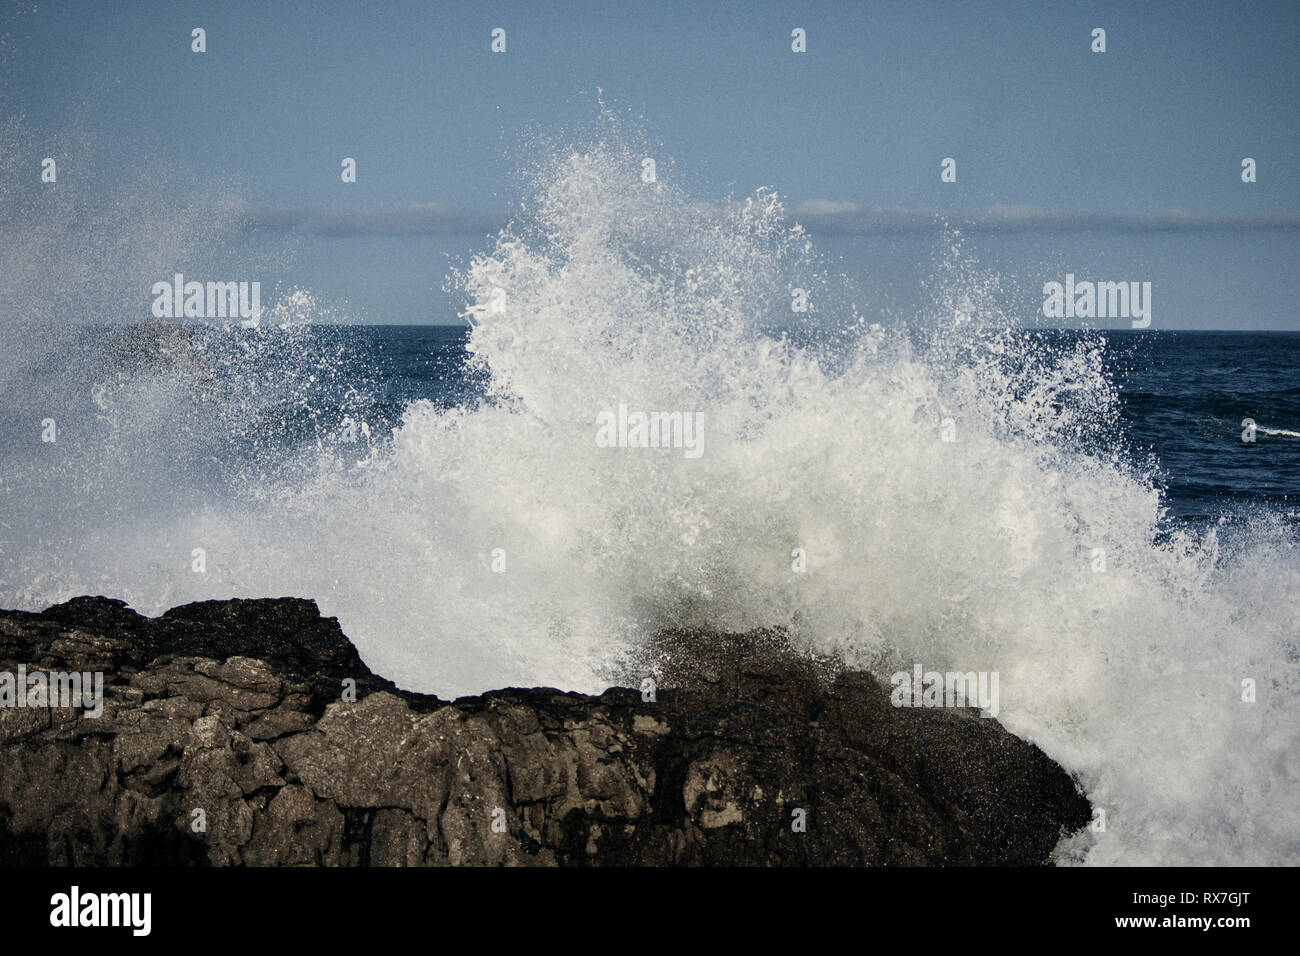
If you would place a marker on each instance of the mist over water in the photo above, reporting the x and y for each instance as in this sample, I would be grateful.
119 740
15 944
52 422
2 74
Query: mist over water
822 431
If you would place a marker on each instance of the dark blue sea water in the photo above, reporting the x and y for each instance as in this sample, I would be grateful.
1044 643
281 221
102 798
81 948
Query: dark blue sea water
1185 396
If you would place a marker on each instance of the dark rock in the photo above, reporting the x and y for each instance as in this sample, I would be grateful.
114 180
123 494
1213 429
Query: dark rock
234 709
155 346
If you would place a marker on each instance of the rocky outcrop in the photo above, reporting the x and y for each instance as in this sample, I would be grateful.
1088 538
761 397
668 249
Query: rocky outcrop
154 346
227 738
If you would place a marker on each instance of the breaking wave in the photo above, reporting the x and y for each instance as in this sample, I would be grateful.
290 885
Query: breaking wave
950 486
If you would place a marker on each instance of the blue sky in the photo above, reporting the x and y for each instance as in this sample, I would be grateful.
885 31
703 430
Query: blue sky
1012 91
885 91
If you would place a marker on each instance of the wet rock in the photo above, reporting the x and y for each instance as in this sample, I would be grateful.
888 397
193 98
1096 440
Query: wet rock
154 346
227 739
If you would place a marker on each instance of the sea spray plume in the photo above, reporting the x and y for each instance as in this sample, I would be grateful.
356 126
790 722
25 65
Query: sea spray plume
85 249
152 428
972 554
609 275
979 552
968 546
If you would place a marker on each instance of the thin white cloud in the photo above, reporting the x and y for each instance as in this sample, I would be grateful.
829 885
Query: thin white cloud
419 219
824 216
828 216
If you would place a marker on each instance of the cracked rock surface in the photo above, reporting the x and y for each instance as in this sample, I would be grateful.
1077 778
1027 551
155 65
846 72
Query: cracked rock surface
226 740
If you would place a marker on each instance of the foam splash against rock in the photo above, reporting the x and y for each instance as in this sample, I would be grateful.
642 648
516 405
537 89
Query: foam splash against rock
945 495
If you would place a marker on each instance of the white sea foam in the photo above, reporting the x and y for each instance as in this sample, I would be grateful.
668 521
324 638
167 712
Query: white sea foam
974 554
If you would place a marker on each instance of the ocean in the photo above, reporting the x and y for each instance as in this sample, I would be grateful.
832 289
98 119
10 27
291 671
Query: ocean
1107 519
